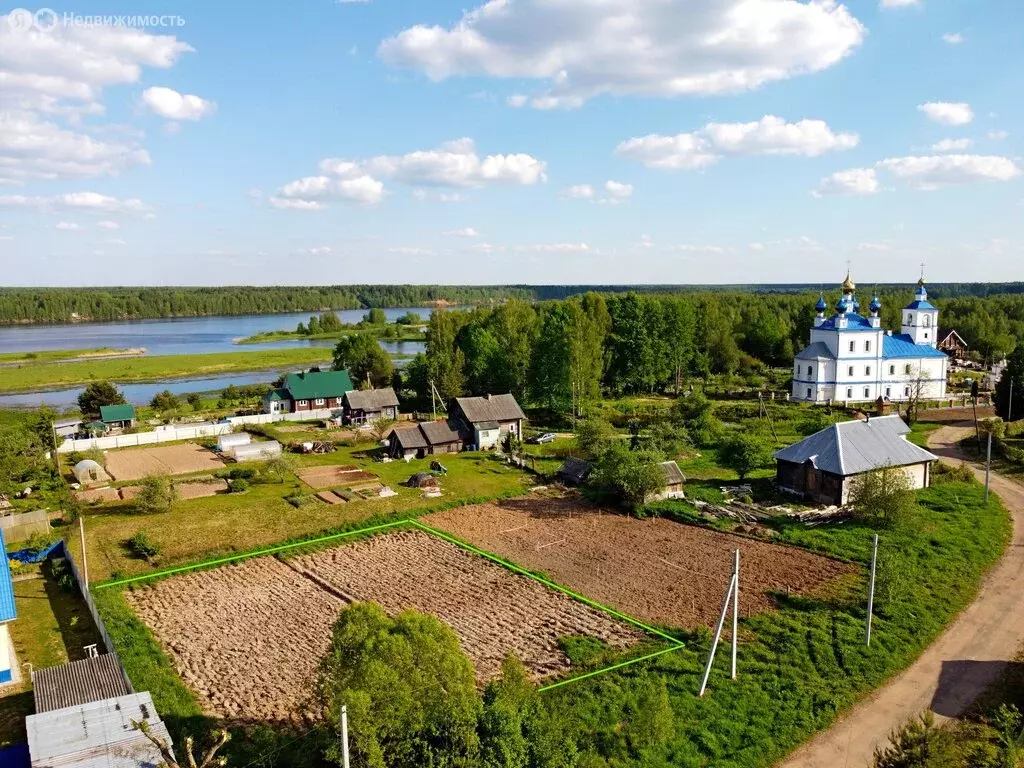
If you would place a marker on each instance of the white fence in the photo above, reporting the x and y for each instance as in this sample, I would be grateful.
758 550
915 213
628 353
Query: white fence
185 432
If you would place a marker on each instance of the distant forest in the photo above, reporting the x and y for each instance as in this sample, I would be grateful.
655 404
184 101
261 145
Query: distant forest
61 305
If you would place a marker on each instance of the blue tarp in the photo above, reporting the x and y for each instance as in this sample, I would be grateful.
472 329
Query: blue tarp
15 757
32 555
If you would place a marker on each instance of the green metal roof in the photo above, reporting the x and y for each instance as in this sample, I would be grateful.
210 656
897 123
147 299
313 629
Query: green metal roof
309 386
109 413
277 394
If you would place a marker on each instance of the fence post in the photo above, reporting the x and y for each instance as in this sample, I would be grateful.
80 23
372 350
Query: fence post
871 589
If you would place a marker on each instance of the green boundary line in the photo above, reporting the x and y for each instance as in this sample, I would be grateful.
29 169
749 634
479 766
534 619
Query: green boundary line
244 556
676 644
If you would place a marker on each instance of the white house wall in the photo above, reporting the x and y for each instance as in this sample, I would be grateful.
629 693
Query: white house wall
916 473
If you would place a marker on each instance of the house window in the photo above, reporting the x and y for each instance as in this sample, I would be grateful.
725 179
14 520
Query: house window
867 345
867 393
867 370
850 370
301 402
888 392
892 370
853 346
849 393
319 401
808 393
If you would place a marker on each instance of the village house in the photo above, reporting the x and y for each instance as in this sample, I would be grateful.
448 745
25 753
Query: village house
368 405
427 439
823 468
483 422
952 343
117 416
309 391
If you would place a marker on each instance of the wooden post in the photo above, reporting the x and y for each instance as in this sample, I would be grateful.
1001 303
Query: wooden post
85 563
871 589
735 611
988 466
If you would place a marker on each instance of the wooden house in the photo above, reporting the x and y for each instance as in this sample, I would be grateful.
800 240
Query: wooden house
368 405
952 343
484 422
309 391
427 439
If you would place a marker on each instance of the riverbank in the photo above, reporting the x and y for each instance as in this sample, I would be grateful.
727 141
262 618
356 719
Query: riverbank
384 333
67 355
41 374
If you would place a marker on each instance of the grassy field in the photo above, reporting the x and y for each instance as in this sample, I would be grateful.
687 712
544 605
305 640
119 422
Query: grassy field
225 524
41 374
51 355
52 628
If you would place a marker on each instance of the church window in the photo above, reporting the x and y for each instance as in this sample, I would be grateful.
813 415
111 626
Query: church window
927 321
926 334
853 346
888 392
892 370
907 370
867 370
906 391
808 393
867 393
910 319
810 370
849 393
850 371
867 345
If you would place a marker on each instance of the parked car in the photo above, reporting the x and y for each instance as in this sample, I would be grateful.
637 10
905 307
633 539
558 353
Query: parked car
547 437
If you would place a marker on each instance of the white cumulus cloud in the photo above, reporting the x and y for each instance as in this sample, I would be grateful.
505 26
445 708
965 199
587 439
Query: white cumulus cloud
557 248
172 105
463 232
947 113
898 3
617 190
90 202
580 192
67 226
769 136
932 172
952 145
855 181
578 50
108 225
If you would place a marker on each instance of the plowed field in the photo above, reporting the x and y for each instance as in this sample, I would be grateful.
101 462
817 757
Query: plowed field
656 570
247 638
177 459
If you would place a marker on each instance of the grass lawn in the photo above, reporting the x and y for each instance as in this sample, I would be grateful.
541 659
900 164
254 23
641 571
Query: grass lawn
52 628
41 374
199 529
50 355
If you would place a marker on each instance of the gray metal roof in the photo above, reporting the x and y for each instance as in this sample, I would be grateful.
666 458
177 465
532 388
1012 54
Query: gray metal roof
575 470
490 408
439 433
80 682
96 735
371 399
410 437
673 475
814 351
854 447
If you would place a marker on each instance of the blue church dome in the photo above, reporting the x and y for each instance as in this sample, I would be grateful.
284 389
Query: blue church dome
856 305
841 307
821 306
876 305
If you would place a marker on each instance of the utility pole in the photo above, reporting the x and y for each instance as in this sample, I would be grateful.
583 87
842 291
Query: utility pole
1009 405
85 563
344 736
988 465
871 590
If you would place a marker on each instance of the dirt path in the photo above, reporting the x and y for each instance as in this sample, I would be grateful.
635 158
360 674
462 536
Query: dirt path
957 667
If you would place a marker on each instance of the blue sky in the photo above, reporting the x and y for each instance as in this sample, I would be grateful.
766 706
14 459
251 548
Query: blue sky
536 141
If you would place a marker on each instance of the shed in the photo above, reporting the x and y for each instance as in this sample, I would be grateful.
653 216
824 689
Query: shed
89 472
67 427
407 442
80 682
230 440
822 467
441 438
8 613
674 480
99 734
269 449
118 416
574 471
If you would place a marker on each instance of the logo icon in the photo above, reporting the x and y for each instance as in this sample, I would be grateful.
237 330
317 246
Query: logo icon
46 19
20 20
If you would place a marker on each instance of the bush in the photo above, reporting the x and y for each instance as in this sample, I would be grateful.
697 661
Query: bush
744 452
239 485
142 547
945 473
156 494
884 496
165 401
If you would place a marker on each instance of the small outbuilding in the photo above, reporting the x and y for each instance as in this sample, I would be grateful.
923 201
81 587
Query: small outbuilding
574 471
674 480
822 468
88 472
118 416
427 439
67 427
363 406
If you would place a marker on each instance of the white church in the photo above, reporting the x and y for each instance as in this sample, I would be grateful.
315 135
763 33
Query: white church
851 358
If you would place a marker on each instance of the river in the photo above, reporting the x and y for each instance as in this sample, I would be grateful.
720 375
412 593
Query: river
177 336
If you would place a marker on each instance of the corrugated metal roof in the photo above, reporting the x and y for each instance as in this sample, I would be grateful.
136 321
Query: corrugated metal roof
575 470
80 682
8 610
311 385
410 437
371 399
854 322
673 475
490 408
814 351
110 413
854 447
96 735
439 433
901 345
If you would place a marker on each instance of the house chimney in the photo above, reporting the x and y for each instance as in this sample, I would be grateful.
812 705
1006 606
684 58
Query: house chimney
488 395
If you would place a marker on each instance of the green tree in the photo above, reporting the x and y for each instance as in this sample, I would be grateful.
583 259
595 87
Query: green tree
21 453
445 359
1014 373
697 414
363 358
375 316
314 326
884 496
409 318
302 329
509 705
744 452
594 436
156 494
632 476
912 746
165 401
194 401
329 323
97 394
408 685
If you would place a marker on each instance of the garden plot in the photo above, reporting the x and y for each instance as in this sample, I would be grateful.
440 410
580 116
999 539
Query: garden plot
197 489
332 476
656 570
177 459
250 646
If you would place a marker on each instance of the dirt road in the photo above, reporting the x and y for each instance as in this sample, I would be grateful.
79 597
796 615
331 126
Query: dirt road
951 673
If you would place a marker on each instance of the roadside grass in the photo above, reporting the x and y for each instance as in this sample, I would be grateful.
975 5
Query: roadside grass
228 523
41 374
53 627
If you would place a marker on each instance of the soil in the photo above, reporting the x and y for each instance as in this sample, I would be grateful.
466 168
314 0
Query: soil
177 459
197 490
249 648
332 477
655 570
98 495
